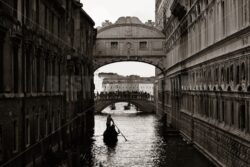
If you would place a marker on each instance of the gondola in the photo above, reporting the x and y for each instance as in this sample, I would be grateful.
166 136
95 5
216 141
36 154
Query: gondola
110 136
112 107
127 107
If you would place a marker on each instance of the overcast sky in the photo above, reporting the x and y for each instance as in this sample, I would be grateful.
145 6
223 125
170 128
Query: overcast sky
128 68
101 10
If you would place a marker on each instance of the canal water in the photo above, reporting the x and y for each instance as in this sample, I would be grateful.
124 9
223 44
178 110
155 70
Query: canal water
147 145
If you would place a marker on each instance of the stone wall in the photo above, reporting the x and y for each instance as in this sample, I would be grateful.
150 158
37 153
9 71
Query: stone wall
46 78
204 91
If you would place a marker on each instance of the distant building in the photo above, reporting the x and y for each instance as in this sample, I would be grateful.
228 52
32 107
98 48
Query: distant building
113 82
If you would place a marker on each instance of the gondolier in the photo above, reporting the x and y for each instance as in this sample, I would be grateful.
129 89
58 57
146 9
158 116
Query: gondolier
109 120
110 134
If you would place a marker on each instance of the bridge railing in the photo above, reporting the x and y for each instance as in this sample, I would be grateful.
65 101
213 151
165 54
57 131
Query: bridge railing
124 95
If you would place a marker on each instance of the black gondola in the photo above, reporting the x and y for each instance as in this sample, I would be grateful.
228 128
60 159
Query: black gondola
112 107
127 107
110 136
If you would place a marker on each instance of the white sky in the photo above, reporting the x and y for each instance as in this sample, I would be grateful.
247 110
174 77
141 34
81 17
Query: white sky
101 10
128 68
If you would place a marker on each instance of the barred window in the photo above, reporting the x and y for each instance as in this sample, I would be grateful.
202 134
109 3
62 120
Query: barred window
114 45
143 45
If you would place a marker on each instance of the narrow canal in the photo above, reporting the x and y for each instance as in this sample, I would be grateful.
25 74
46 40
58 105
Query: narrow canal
147 146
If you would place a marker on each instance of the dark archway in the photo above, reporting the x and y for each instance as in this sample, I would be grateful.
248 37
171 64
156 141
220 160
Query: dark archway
109 62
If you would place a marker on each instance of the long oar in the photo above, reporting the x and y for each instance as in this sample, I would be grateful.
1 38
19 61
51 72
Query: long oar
121 132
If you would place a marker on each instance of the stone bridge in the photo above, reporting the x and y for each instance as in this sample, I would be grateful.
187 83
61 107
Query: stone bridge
128 39
145 103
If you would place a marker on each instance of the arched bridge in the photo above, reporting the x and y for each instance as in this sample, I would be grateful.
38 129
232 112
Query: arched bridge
128 39
142 100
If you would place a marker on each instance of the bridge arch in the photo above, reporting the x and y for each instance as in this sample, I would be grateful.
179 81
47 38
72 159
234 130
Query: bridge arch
144 105
128 61
129 40
112 61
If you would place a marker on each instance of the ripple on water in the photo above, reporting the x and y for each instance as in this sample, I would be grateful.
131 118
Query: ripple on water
146 146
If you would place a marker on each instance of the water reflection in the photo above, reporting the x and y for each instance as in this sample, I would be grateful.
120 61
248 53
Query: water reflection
147 146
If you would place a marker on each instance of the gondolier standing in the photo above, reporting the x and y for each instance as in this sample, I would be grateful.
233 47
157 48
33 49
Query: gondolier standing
109 120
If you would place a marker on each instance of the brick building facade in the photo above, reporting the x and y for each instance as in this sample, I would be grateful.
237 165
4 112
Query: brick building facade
46 78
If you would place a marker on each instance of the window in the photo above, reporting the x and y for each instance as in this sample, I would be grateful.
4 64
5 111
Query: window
223 16
237 74
114 45
38 74
47 74
232 113
27 10
1 143
27 130
245 13
50 21
206 2
216 75
46 124
242 117
15 8
243 71
228 75
53 122
143 45
15 136
198 8
2 36
59 119
223 111
38 126
231 73
222 74
37 10
28 70
217 109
